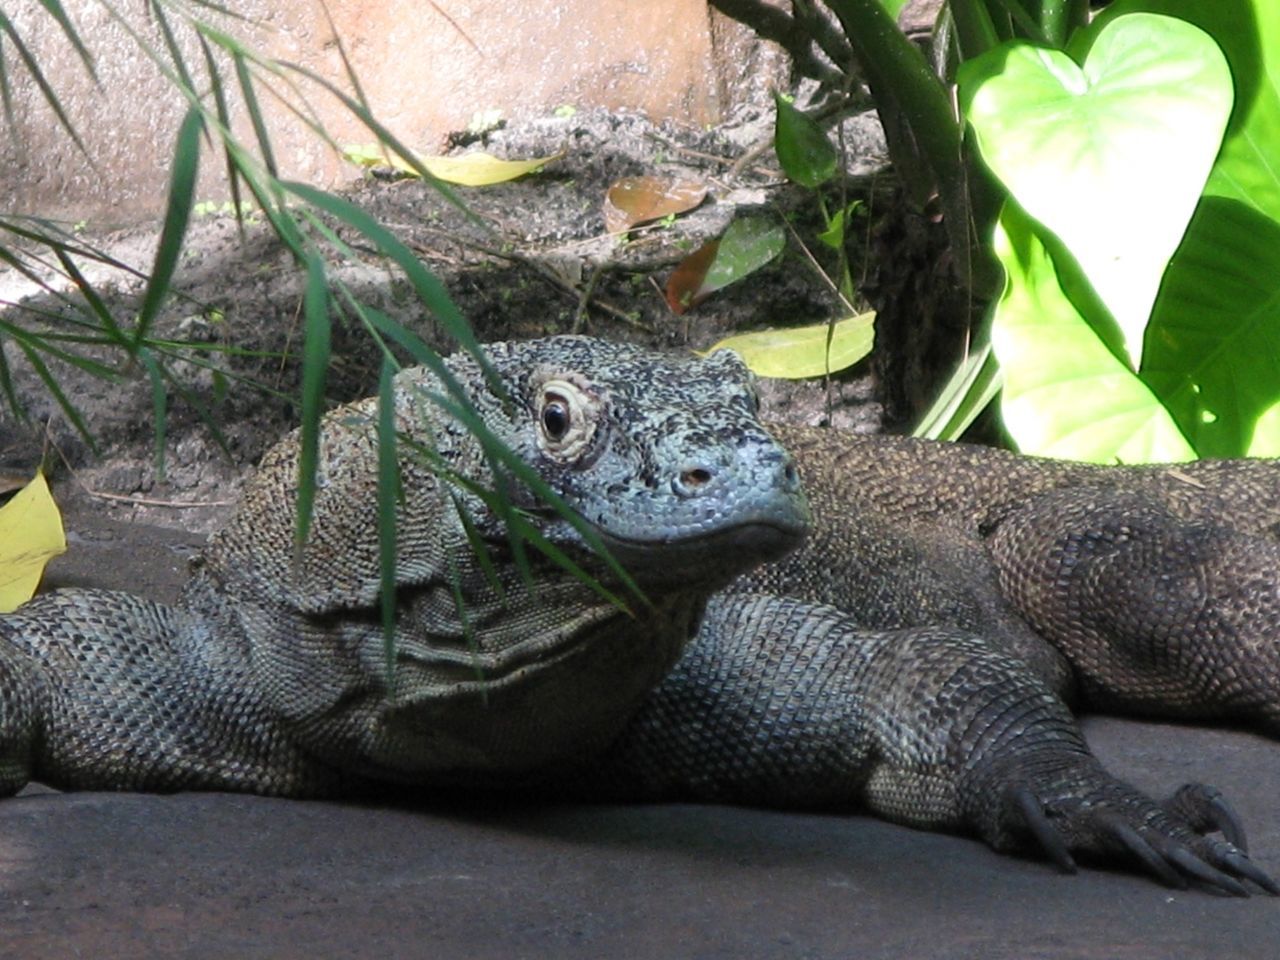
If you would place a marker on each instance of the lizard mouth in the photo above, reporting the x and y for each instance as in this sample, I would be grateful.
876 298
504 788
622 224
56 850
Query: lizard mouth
711 557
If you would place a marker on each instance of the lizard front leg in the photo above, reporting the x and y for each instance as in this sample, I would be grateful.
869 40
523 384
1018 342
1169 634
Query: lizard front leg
787 703
1157 614
106 691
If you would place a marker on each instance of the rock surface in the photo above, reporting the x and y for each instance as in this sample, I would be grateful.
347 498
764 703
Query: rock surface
218 875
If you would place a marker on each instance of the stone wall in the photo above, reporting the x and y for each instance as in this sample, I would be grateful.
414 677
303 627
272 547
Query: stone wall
427 67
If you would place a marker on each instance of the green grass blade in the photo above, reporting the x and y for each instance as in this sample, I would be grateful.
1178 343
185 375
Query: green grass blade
255 112
429 289
55 390
159 407
47 234
389 495
325 231
171 44
55 10
106 319
203 412
315 364
388 139
479 549
218 88
44 343
6 385
182 185
968 392
51 98
6 92
347 68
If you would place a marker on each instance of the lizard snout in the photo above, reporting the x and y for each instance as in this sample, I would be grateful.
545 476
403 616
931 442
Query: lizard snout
696 479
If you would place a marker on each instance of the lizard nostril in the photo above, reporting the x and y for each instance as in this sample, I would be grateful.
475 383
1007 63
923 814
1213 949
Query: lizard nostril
691 482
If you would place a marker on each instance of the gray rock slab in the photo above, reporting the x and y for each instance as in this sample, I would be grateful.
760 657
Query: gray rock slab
219 875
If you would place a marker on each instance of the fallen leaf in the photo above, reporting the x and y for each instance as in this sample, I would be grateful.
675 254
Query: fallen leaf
794 353
468 170
635 200
30 536
747 245
684 286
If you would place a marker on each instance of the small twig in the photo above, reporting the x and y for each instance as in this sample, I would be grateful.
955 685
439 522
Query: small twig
127 498
1186 478
146 502
813 262
688 151
580 315
550 275
749 158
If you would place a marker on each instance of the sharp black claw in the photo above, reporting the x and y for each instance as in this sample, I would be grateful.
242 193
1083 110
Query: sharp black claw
1224 820
1050 840
1251 871
1193 866
1143 851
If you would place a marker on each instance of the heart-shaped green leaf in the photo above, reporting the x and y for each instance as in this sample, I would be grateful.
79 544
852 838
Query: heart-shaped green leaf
1110 156
1066 394
1248 31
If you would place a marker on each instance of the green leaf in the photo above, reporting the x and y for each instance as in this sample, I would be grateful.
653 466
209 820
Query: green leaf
971 387
182 185
746 246
794 353
389 494
1266 434
1065 394
315 364
1112 156
1213 349
1248 31
803 149
833 235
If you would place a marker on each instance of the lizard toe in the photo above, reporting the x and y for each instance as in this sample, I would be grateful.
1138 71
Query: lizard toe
1206 810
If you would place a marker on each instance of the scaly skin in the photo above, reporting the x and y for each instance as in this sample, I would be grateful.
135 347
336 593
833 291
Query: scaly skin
912 657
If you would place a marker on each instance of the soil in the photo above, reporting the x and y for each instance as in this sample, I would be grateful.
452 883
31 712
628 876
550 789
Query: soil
213 875
527 258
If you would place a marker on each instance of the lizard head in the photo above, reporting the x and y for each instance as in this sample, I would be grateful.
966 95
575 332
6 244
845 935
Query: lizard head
664 458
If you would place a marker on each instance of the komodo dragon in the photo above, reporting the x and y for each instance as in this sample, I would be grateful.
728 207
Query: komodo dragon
911 658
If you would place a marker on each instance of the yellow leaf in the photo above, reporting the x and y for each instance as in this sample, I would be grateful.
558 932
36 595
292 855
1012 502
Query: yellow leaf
469 170
798 352
30 536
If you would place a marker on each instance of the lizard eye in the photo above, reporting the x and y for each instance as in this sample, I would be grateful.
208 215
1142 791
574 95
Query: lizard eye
555 416
566 419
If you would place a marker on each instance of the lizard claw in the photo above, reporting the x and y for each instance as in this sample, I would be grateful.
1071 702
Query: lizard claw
1049 839
1206 810
1093 814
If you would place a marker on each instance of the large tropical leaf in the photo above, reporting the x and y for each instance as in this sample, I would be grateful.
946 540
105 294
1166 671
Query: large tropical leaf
1110 155
1066 394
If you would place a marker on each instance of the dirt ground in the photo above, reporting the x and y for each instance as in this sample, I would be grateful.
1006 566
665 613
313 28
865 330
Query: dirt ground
530 258
212 875
226 876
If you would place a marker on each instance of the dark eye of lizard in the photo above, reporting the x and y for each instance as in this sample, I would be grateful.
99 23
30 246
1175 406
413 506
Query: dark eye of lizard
555 416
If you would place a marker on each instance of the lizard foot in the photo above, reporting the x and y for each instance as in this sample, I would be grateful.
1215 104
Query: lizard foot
1168 840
